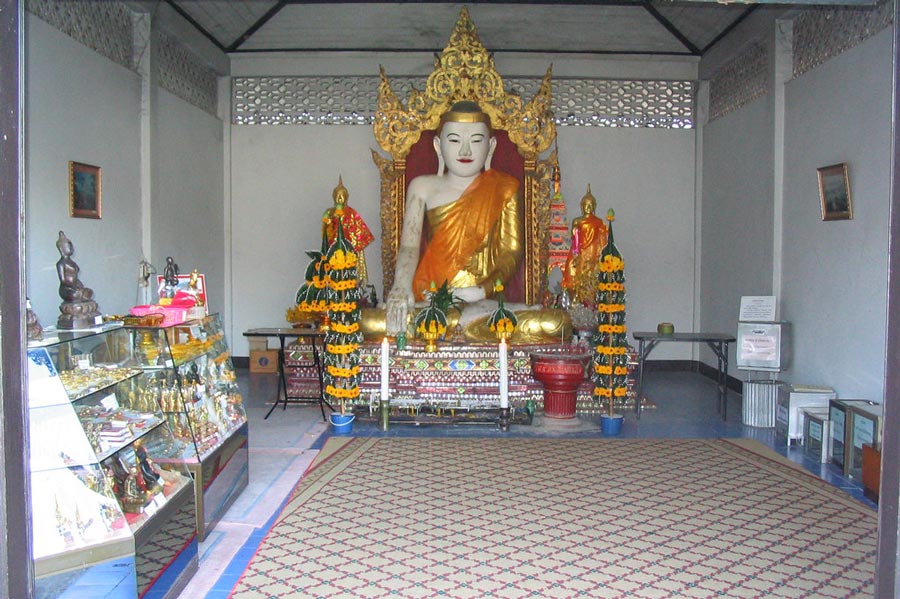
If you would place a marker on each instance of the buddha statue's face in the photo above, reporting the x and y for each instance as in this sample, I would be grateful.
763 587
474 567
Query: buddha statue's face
465 147
588 204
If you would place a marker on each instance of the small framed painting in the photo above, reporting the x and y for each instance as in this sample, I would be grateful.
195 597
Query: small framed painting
84 190
834 192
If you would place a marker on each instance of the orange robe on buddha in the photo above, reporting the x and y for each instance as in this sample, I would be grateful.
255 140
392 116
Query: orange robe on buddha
476 239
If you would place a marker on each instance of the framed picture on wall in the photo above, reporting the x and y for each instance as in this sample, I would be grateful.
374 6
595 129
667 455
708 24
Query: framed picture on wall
834 192
84 190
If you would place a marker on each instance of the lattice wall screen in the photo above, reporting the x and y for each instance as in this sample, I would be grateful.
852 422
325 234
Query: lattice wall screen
740 81
823 33
353 100
105 27
181 73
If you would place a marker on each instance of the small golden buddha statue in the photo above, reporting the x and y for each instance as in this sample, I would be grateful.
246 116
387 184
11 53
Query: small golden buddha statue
589 235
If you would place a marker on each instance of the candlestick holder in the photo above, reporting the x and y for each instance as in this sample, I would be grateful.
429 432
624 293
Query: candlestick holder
504 419
385 413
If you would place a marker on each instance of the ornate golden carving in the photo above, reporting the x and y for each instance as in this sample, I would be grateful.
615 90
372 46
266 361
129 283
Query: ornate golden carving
465 71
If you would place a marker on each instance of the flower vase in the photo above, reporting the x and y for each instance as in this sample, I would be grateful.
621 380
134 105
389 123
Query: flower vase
431 338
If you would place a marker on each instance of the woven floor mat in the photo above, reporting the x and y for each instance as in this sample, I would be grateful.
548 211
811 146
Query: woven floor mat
644 518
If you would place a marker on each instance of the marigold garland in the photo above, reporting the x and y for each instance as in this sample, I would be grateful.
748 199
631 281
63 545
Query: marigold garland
611 328
342 393
342 372
343 306
341 349
504 325
609 308
338 327
343 285
431 326
341 260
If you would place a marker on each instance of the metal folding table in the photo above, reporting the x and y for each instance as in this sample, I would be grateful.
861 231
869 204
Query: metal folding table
315 338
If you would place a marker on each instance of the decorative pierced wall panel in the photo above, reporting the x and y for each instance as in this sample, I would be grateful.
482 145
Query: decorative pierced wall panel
105 27
823 33
740 81
624 103
353 100
181 73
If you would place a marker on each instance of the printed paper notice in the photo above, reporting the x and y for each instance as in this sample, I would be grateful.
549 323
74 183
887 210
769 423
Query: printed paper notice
759 348
757 308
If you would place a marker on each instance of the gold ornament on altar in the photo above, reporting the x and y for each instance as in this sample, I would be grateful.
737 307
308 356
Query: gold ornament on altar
465 71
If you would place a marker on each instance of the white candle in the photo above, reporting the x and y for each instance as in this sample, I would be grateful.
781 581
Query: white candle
385 358
504 375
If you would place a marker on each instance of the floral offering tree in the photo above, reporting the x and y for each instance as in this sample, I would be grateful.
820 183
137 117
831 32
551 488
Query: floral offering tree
431 323
310 300
342 340
610 361
502 321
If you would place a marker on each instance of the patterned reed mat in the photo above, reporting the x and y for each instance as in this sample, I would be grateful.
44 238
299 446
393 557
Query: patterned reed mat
637 518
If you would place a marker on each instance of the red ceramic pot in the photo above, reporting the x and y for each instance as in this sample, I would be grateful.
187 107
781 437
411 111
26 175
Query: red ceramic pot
561 374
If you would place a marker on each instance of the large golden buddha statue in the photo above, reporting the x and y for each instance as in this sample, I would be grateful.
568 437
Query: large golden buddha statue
482 214
471 215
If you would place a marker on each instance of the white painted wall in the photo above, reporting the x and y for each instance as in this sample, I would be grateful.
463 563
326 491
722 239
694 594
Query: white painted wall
187 208
647 177
281 183
80 106
835 273
737 216
282 178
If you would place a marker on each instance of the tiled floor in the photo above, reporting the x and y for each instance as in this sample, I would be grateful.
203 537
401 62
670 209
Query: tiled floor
282 446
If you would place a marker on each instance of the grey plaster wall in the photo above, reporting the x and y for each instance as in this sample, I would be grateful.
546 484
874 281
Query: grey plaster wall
187 210
737 216
80 106
282 178
835 273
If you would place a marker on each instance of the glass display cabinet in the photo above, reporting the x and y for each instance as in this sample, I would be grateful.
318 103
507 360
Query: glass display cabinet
190 374
112 514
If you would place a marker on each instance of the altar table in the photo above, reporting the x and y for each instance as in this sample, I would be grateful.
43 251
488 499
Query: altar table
316 339
717 342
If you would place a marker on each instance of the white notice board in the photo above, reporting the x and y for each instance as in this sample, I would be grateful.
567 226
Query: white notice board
757 308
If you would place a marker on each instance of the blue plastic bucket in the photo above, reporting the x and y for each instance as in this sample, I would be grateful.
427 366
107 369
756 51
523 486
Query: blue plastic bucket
342 423
611 425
